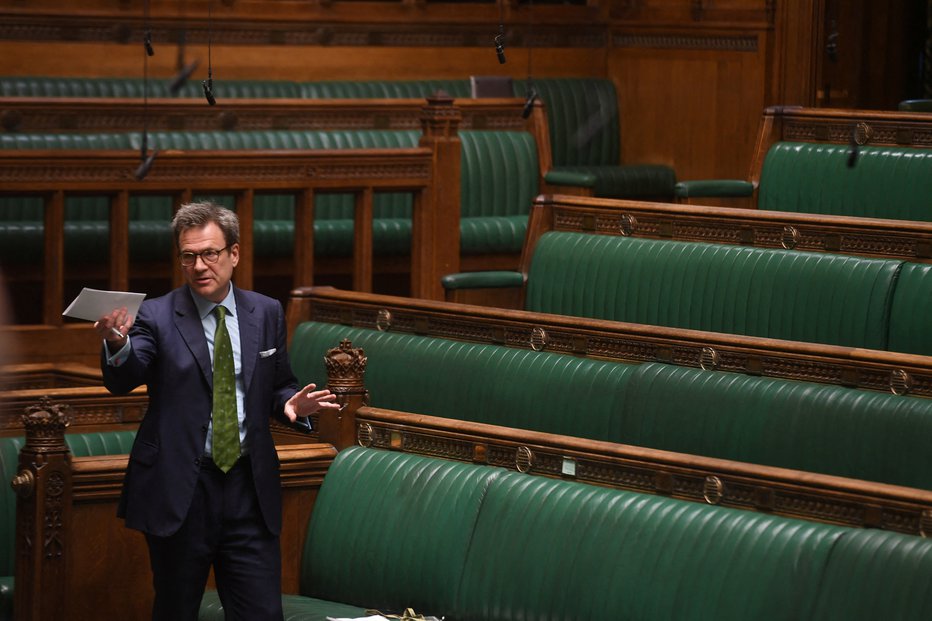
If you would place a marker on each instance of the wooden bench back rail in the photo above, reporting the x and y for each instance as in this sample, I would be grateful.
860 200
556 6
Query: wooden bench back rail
866 237
614 340
742 485
181 174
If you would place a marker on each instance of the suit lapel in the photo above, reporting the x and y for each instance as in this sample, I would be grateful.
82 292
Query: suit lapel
189 325
248 335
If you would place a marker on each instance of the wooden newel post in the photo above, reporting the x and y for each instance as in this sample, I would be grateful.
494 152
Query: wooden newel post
43 507
346 366
435 238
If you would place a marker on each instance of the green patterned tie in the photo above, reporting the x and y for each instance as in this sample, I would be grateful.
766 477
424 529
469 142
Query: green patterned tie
226 424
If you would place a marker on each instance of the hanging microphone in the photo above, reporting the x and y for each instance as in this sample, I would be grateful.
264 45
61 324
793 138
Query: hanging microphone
500 44
145 158
529 103
148 43
855 151
182 76
208 85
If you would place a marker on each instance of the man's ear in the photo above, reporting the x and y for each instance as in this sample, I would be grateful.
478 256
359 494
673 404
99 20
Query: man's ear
234 254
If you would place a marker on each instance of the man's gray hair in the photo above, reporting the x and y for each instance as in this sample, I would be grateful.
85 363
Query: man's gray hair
197 215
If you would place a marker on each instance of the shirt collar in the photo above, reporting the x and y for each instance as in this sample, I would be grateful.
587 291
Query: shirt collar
206 307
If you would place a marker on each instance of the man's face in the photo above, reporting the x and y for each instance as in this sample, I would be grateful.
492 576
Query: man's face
210 280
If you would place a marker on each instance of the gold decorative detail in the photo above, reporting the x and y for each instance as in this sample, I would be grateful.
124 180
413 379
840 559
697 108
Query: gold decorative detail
925 523
397 441
383 321
480 453
364 434
524 459
863 133
628 225
45 425
24 484
901 382
709 359
539 339
790 237
713 490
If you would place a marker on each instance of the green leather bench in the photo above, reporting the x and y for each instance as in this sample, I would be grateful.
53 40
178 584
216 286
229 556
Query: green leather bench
477 543
80 445
806 426
498 185
45 86
792 295
584 124
805 163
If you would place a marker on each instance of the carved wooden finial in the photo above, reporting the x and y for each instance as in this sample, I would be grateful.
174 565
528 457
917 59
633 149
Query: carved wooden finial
346 366
45 424
440 117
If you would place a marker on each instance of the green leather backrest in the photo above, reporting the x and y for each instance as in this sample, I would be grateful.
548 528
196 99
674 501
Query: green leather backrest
382 89
822 428
582 114
9 466
80 444
886 182
876 575
30 86
559 550
475 382
67 141
801 296
391 530
910 318
499 173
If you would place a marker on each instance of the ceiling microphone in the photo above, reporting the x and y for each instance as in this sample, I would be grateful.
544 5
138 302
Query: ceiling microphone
855 151
182 77
529 103
208 85
146 159
500 44
148 43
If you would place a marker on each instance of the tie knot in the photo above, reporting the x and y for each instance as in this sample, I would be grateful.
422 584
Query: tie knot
221 311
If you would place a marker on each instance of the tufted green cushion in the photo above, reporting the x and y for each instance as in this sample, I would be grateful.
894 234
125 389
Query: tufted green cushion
550 549
876 575
802 296
382 89
909 315
472 381
297 608
392 530
887 182
800 425
32 86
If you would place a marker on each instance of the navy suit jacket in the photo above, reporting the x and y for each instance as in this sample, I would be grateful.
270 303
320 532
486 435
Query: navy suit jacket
169 355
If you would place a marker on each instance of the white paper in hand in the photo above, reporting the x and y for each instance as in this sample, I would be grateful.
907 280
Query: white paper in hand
92 304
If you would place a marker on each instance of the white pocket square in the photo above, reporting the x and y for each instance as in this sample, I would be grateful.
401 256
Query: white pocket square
267 352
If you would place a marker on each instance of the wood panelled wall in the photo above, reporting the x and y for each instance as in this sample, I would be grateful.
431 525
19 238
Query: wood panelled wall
693 75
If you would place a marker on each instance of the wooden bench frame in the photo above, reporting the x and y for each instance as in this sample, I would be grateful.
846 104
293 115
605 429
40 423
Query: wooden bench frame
691 477
66 524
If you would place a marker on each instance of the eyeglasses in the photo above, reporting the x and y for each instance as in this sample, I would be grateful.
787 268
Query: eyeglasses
188 259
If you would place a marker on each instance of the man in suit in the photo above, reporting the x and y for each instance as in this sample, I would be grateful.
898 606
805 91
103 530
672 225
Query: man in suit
202 481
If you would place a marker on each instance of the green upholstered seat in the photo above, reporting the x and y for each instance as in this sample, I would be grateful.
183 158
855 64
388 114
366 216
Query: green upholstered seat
37 86
821 428
475 543
876 575
909 313
80 445
802 296
886 182
549 549
585 140
475 382
382 89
